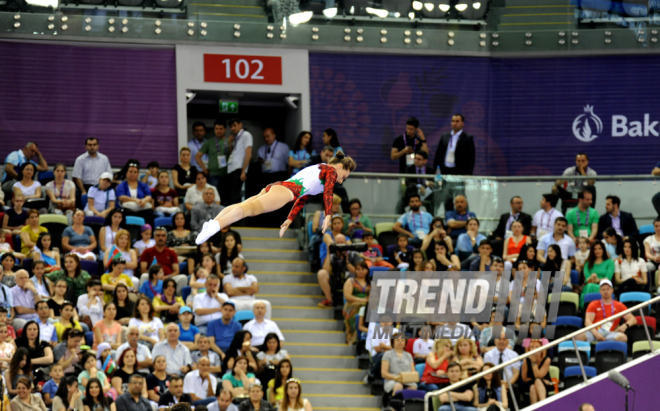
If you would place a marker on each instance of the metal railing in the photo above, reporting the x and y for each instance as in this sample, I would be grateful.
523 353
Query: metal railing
626 177
476 377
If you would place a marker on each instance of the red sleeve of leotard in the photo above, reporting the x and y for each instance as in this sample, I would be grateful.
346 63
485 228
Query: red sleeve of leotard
297 208
329 175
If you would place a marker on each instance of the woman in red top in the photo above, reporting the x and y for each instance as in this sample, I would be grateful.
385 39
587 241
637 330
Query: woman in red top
311 180
436 363
513 244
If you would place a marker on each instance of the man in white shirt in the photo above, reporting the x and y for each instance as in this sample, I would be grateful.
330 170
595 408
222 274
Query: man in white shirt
501 354
143 353
242 287
544 219
559 237
176 354
200 384
199 134
90 165
260 327
239 160
274 155
207 306
46 330
224 402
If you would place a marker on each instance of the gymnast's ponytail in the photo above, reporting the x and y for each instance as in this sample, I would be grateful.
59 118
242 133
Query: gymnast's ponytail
346 162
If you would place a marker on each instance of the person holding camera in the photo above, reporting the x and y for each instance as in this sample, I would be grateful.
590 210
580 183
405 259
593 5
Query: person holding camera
340 263
405 146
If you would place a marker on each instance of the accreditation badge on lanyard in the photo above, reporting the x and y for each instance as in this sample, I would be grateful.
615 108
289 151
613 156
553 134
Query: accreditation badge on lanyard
268 164
222 159
608 325
583 232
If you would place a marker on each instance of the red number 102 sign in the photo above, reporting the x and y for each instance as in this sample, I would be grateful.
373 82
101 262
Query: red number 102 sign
229 68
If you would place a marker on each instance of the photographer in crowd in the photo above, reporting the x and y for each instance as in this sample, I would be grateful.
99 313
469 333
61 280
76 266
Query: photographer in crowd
340 264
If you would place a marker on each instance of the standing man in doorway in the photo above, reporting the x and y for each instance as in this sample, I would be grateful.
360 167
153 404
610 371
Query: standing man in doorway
239 159
199 134
217 151
273 157
406 145
455 155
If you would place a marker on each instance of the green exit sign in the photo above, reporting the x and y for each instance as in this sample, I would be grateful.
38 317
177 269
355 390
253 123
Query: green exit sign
228 106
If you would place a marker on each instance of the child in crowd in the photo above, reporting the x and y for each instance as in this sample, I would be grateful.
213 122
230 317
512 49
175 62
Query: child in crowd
151 178
198 279
428 265
417 260
483 261
146 241
15 217
374 254
104 360
582 255
402 256
4 319
189 334
154 286
50 387
5 247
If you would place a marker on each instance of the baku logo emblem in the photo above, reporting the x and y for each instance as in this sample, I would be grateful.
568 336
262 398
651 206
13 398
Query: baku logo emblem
587 125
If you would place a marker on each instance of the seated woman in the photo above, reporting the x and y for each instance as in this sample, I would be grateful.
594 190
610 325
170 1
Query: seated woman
101 198
520 300
514 244
116 276
122 248
135 196
66 320
293 400
114 221
302 152
95 400
183 174
599 267
25 183
490 392
15 217
271 352
393 363
145 240
8 262
67 353
43 252
630 271
356 294
435 369
356 223
79 239
535 374
240 346
167 304
108 330
125 307
467 244
167 199
127 364
196 259
283 372
68 396
30 232
20 366
229 250
40 352
437 234
198 279
62 193
151 327
442 259
179 236
613 243
465 353
88 362
25 400
239 378
74 276
554 263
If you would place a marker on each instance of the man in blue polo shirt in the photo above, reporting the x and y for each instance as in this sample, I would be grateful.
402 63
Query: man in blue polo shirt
415 223
456 220
221 331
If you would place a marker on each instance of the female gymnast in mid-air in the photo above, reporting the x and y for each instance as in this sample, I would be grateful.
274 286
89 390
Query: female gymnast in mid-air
312 180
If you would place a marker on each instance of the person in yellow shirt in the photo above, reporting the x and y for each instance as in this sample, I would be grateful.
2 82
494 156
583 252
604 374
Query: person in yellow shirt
66 320
116 276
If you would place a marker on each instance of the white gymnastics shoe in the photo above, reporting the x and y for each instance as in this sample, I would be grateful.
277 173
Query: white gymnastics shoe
209 229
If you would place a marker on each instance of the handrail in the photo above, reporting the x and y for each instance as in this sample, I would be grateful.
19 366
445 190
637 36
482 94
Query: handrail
571 336
511 178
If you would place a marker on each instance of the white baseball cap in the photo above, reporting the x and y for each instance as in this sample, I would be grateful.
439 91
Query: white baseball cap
105 176
606 282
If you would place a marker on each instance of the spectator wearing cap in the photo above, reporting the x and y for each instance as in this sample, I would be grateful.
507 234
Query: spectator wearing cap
242 287
189 334
599 310
101 197
221 331
200 384
224 402
207 306
205 210
144 357
260 326
145 241
177 355
90 166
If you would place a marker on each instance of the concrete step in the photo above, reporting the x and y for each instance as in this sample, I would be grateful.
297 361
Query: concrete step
336 401
345 387
277 265
302 302
323 361
316 348
293 311
264 253
328 374
271 233
270 243
311 336
293 289
309 324
282 277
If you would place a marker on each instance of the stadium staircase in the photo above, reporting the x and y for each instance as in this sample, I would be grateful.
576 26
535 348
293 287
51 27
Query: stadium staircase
315 341
510 15
227 10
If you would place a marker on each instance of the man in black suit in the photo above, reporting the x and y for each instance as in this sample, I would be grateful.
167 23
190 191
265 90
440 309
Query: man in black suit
516 214
419 185
623 223
455 156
